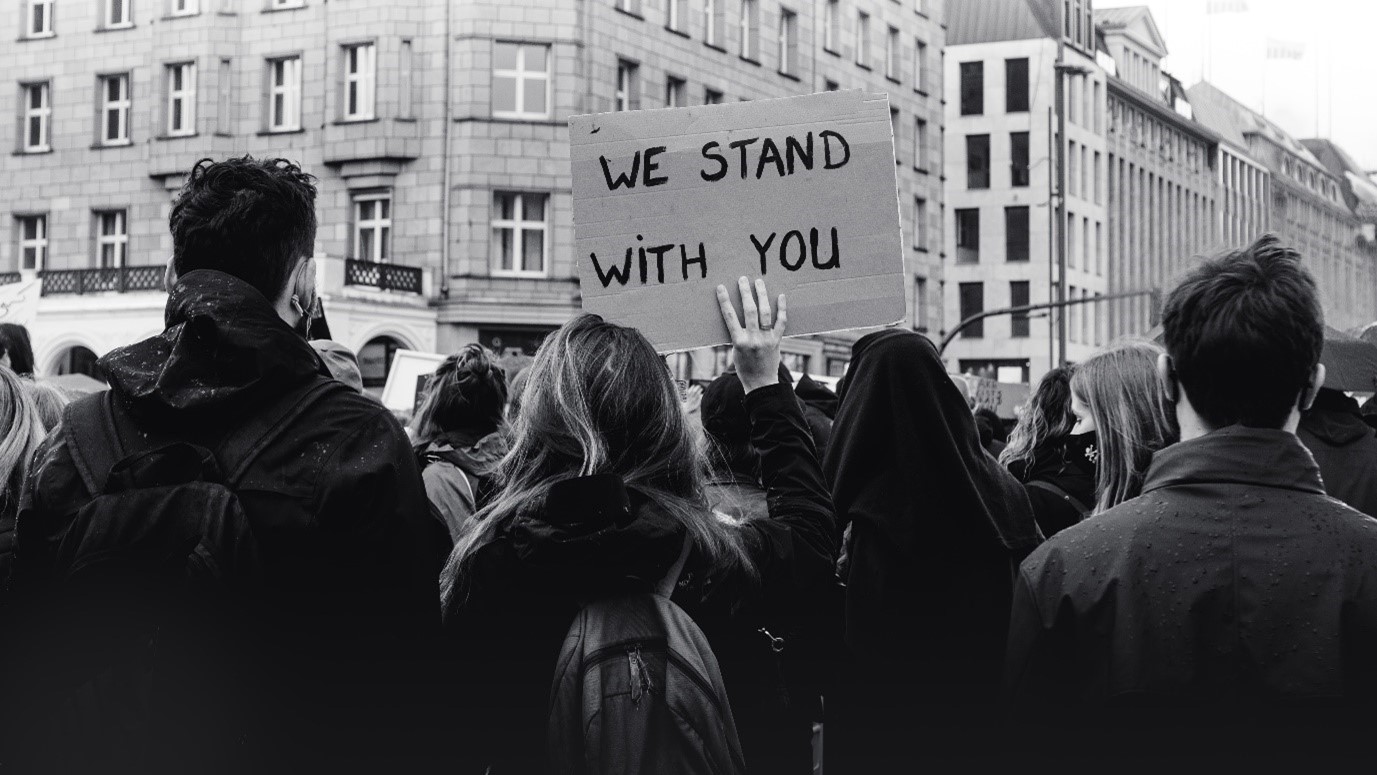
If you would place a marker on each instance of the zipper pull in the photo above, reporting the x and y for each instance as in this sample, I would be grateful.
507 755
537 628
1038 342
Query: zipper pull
633 658
776 644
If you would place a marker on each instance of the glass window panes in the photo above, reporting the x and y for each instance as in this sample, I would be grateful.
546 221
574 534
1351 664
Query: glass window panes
114 109
520 232
521 80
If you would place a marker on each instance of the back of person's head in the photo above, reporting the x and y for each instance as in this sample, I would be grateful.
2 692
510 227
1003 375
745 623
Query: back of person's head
251 218
48 401
1046 417
1133 416
467 393
1244 332
727 425
991 418
514 390
599 400
21 431
16 348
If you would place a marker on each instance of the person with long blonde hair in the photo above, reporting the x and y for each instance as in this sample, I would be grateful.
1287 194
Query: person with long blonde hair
1118 394
602 494
21 433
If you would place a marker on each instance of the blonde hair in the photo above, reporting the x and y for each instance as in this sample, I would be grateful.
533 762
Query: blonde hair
21 432
1134 416
599 400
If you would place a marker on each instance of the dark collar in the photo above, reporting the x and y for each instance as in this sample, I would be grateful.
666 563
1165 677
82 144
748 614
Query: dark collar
1260 457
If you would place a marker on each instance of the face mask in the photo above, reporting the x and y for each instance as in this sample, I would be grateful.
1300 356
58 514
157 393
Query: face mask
1082 449
308 313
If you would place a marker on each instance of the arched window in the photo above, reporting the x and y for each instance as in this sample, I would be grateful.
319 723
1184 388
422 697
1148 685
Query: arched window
77 360
375 360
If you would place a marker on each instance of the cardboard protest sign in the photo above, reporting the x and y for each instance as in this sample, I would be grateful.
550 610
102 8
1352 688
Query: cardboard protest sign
801 191
409 373
19 302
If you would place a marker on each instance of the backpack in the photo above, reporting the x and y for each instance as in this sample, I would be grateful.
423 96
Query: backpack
638 690
154 578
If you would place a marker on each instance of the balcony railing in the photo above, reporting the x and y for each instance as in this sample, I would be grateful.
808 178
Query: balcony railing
388 277
10 277
120 280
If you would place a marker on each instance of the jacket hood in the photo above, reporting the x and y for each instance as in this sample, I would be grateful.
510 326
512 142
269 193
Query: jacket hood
593 537
1260 457
224 350
1335 419
817 395
471 452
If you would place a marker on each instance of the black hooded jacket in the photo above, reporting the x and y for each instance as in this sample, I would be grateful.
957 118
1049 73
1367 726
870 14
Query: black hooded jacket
335 503
521 592
1345 448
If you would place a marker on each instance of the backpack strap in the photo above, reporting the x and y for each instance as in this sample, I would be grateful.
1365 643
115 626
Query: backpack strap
91 427
242 447
1060 493
88 426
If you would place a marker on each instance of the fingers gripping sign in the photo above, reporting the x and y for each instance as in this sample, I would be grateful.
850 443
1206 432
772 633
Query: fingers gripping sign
755 338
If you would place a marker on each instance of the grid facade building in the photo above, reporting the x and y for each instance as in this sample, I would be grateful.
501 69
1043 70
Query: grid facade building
437 132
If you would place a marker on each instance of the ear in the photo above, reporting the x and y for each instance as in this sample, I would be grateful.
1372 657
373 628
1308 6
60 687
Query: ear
1312 390
170 276
1167 371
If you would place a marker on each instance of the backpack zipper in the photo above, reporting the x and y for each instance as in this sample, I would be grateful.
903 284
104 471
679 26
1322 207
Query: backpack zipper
640 676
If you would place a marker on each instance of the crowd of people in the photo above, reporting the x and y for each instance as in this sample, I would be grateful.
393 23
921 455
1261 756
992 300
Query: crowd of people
234 560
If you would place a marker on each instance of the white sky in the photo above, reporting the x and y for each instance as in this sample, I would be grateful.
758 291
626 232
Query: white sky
1330 92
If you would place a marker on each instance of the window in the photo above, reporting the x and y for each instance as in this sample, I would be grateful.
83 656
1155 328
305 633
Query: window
863 39
185 7
1018 159
181 99
977 161
892 64
972 297
284 94
38 20
920 223
788 42
630 6
1085 172
894 131
521 81
519 233
1016 233
972 88
712 22
1018 297
674 92
117 13
225 87
674 15
712 97
920 53
114 109
1095 108
33 241
1071 176
920 144
831 25
920 304
830 85
112 239
750 30
38 111
1016 85
372 226
281 4
360 79
967 235
1096 173
628 95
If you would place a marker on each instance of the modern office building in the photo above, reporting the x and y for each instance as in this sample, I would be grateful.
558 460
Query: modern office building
436 131
1004 58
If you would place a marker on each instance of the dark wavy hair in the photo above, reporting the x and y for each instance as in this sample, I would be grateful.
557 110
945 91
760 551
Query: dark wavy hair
467 392
251 218
1244 332
14 342
1045 417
